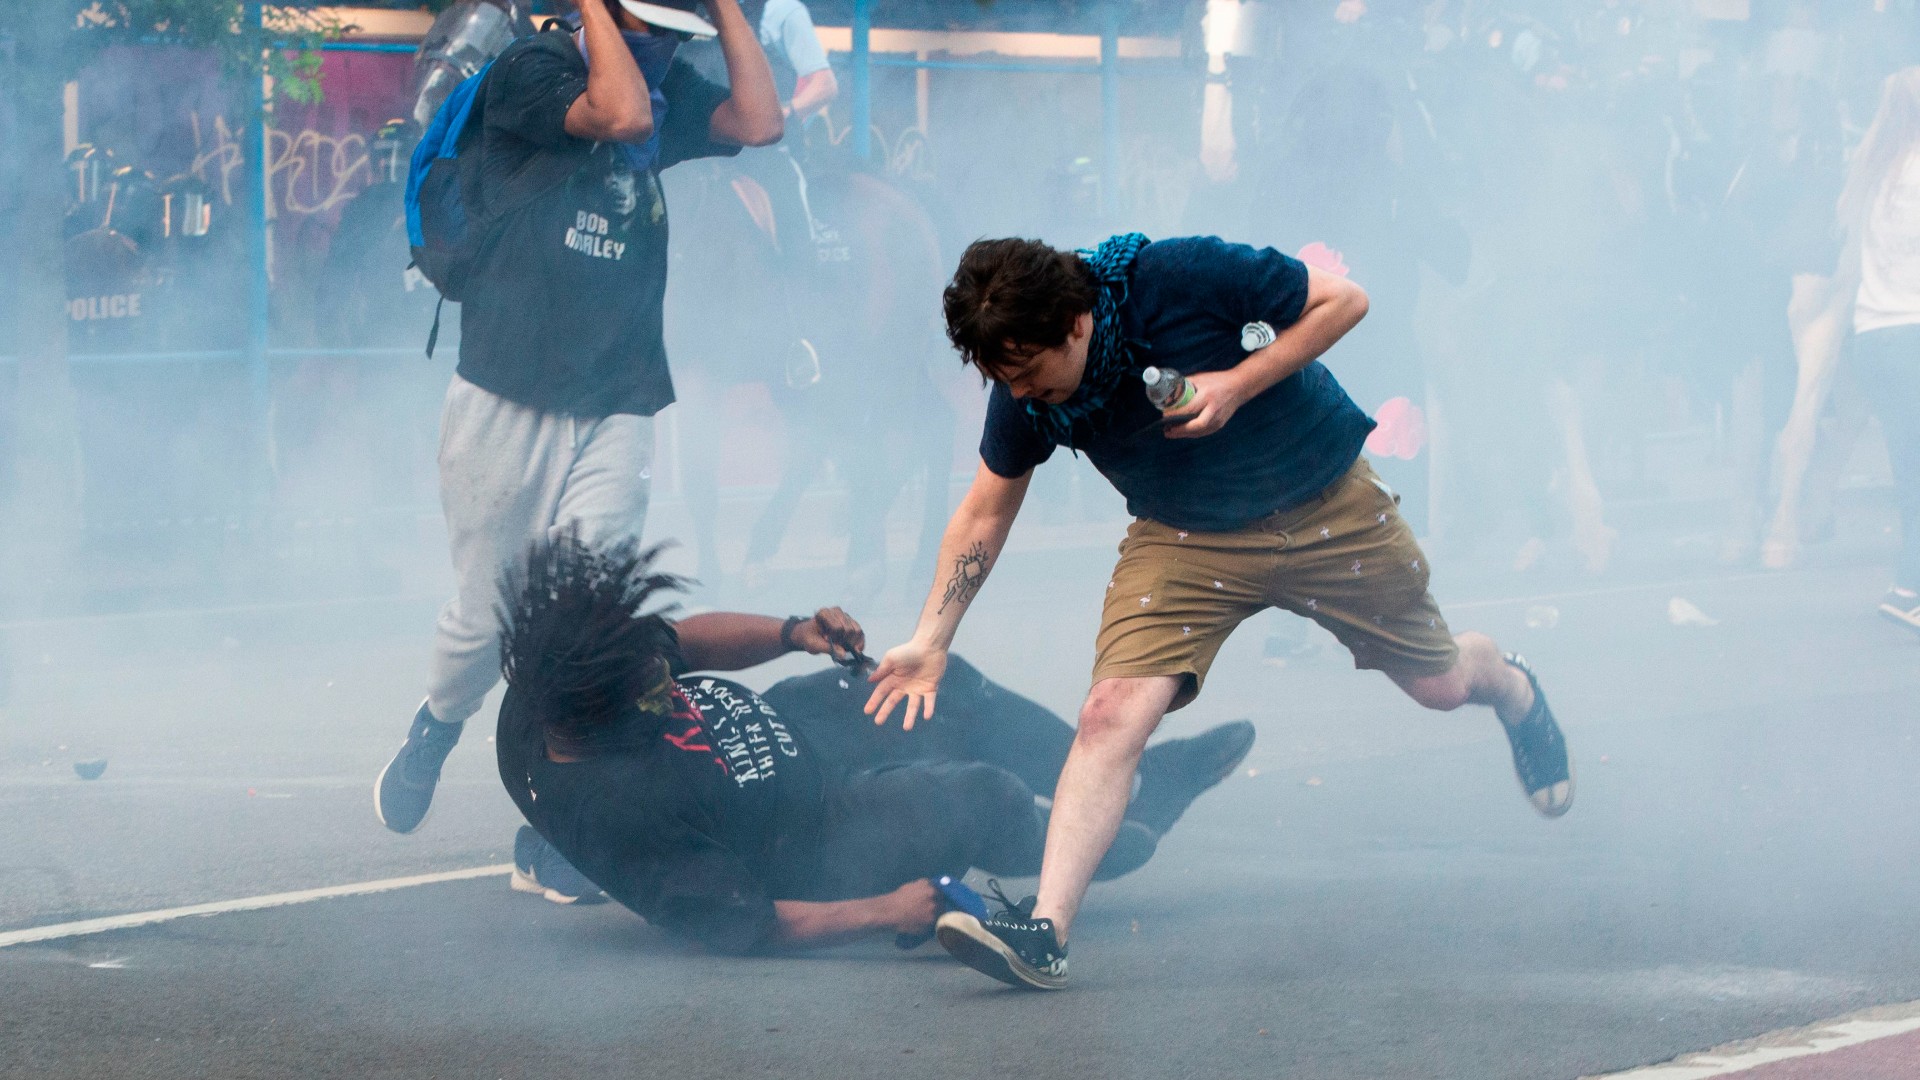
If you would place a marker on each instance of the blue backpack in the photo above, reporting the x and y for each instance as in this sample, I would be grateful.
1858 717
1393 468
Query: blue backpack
437 216
446 218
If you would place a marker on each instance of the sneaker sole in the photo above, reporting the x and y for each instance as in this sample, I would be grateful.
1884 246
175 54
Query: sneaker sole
1233 766
1132 847
378 813
1561 810
526 883
969 941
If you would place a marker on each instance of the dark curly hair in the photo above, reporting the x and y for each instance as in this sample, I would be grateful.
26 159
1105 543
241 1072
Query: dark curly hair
1012 298
574 636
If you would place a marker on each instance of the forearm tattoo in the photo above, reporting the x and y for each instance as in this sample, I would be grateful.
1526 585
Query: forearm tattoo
969 573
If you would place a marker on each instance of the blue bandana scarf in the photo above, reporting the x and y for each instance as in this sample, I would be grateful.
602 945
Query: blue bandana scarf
1108 361
654 54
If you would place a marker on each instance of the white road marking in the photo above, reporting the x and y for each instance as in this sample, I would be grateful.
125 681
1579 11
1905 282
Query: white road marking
65 782
1821 1038
84 927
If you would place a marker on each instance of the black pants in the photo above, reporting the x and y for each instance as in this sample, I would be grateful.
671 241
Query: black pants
1889 365
955 792
978 721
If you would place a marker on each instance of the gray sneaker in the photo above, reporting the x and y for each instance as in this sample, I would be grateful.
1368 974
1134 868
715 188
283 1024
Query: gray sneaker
403 792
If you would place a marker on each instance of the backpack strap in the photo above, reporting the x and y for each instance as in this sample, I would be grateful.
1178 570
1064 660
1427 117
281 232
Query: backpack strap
433 335
440 142
541 172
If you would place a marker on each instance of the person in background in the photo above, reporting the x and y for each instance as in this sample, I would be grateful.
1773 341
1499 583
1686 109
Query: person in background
1352 208
806 85
1880 214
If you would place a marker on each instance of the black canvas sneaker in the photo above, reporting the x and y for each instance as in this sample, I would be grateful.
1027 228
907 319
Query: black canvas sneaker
1012 946
1540 751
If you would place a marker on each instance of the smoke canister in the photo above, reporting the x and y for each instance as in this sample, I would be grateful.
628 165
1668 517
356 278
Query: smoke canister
1256 336
1167 388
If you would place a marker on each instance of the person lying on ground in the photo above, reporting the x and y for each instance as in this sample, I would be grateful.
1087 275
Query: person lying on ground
748 822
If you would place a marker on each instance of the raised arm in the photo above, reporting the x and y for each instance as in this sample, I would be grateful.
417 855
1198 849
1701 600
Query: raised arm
751 116
615 107
910 674
814 91
816 86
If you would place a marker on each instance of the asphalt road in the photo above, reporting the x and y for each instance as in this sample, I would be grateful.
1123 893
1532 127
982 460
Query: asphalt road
1370 897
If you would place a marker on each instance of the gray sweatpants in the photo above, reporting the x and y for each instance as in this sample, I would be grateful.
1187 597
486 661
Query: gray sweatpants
510 475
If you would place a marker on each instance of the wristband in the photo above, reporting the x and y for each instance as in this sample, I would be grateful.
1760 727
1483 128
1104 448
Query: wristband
786 632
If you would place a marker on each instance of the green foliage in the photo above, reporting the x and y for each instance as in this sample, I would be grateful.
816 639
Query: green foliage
286 39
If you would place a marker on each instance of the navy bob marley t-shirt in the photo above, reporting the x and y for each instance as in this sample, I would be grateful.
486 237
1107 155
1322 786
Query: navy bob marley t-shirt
563 312
695 817
1187 301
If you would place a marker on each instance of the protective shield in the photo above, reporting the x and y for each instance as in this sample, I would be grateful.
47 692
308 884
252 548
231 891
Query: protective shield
463 38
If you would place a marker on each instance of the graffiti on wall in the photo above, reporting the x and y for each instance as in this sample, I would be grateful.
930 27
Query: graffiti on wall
907 154
308 171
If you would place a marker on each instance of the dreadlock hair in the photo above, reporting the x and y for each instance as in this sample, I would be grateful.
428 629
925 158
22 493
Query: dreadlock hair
1012 298
574 638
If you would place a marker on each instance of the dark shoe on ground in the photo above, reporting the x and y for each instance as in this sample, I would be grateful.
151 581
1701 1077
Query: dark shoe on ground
541 870
1176 772
1540 751
1012 946
403 792
1903 607
1132 846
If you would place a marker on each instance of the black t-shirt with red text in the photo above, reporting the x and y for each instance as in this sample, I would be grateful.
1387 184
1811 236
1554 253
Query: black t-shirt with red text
695 818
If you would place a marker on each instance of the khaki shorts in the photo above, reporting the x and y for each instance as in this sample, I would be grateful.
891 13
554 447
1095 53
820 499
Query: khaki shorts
1344 559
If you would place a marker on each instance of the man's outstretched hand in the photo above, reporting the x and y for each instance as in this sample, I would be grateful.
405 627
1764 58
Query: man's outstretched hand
908 674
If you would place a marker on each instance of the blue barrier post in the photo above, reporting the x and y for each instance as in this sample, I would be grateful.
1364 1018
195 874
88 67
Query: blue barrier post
259 370
862 79
1110 108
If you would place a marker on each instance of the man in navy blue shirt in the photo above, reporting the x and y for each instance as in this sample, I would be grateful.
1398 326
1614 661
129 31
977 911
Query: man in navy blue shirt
1252 494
